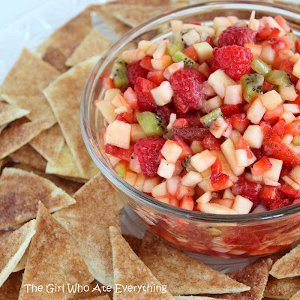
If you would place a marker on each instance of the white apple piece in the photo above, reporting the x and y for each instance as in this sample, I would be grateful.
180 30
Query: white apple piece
191 37
204 51
274 173
213 103
219 80
287 139
134 164
130 177
228 150
218 127
116 129
288 117
202 161
233 94
254 136
171 121
242 205
228 194
205 198
271 99
170 70
256 111
288 93
161 49
214 208
203 29
148 47
137 132
171 151
131 56
298 85
140 180
176 26
184 190
293 108
205 185
150 183
296 69
224 202
160 190
110 94
295 174
173 185
291 182
268 54
107 110
204 69
162 94
241 157
165 169
113 160
191 178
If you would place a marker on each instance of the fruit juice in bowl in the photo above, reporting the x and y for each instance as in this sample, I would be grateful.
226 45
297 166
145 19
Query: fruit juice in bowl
194 119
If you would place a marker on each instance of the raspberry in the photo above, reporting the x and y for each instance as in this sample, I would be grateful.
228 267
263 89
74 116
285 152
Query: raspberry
145 100
147 151
189 134
237 35
186 84
134 71
234 60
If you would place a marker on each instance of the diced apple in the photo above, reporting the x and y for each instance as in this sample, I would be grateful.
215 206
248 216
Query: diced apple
224 202
191 37
130 177
163 199
110 94
254 48
203 29
295 174
205 198
118 101
134 164
219 80
288 93
118 134
268 54
293 108
241 157
161 49
131 56
288 117
218 127
242 205
214 208
204 51
296 69
113 160
287 139
131 97
170 70
171 121
150 183
184 190
148 47
228 150
160 190
205 185
213 103
274 173
196 147
271 99
254 136
268 181
256 111
202 161
176 26
107 110
171 151
204 69
233 94
228 194
140 180
291 182
165 169
173 185
136 133
161 63
122 109
298 85
162 94
191 178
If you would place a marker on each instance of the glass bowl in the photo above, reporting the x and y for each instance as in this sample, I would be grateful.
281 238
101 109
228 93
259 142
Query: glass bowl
229 236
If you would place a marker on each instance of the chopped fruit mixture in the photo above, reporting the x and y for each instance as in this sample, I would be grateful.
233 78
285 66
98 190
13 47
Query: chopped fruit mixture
209 119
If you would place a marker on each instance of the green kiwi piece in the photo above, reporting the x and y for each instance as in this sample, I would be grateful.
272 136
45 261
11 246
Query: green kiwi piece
180 56
252 85
119 72
150 123
260 66
210 117
278 77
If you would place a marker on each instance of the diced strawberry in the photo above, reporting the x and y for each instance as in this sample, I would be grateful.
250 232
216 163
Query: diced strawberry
118 152
279 127
239 122
242 144
181 122
266 128
231 109
146 63
267 32
274 147
280 204
147 151
143 89
190 134
187 88
210 142
186 150
297 46
247 189
216 168
187 202
267 86
107 83
297 101
210 40
289 192
134 71
156 76
269 194
127 117
293 128
282 62
274 114
261 166
220 181
283 23
191 53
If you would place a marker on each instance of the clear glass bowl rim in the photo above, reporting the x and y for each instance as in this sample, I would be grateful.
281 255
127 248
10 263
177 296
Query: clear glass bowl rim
105 168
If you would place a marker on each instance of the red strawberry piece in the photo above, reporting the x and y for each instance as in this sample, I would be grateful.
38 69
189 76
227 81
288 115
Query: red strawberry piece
237 35
279 127
274 147
293 128
267 86
297 46
267 32
187 88
234 60
288 191
191 53
261 166
145 100
147 151
247 189
181 122
127 117
280 203
186 150
156 76
146 63
220 181
231 109
190 134
269 194
239 122
118 152
187 202
134 71
210 142
297 101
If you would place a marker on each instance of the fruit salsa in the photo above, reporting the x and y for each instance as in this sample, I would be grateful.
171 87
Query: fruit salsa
209 118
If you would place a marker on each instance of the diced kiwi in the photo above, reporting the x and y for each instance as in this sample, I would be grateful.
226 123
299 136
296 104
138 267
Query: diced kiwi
176 44
252 85
119 72
210 117
150 123
214 231
121 169
296 140
260 66
180 56
278 77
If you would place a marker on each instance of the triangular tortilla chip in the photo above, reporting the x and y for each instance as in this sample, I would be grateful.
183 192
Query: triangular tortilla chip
49 143
22 263
198 278
28 156
88 222
24 85
99 298
9 113
16 136
95 289
296 296
254 275
13 245
62 42
195 298
53 258
134 242
129 270
2 127
64 96
288 265
11 287
282 288
20 192
93 44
